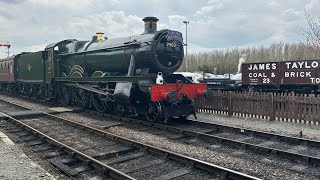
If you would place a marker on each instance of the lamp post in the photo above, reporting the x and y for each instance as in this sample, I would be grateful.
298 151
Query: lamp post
186 22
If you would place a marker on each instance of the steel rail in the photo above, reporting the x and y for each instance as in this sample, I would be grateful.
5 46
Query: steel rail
228 173
304 141
89 160
310 160
209 167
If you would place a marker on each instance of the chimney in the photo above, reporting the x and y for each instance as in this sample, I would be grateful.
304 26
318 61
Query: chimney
150 24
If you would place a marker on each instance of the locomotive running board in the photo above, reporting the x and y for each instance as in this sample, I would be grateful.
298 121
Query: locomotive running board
105 79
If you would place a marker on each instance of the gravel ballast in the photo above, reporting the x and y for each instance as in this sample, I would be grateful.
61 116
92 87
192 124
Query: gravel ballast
21 101
291 129
283 128
251 167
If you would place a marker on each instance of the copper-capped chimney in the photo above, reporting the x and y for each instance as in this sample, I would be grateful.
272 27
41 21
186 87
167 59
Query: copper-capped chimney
150 24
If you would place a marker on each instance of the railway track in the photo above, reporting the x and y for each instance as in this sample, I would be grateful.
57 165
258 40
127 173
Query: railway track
302 154
85 152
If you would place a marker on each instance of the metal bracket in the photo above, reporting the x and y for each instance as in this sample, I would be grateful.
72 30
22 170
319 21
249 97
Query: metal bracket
91 89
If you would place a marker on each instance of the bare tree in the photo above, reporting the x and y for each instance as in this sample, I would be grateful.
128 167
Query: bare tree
312 34
226 60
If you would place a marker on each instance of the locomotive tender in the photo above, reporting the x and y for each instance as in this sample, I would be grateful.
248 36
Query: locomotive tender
127 76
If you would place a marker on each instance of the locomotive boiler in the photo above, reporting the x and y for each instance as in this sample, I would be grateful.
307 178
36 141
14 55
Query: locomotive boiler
158 51
128 76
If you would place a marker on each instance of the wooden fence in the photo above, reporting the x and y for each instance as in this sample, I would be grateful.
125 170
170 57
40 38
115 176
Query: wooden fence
287 107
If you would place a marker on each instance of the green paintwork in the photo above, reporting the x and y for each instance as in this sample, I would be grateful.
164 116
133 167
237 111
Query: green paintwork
30 67
113 61
108 56
51 59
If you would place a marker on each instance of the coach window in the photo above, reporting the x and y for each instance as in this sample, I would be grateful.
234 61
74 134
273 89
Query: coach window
55 52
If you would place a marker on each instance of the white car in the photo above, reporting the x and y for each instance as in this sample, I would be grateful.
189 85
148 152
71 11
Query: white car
237 77
194 77
213 76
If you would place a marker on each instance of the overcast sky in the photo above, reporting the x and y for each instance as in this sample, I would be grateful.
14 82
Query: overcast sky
29 25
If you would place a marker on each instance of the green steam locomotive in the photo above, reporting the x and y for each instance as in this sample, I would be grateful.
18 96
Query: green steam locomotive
127 76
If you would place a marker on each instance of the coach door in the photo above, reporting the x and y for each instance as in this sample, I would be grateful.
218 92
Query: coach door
9 72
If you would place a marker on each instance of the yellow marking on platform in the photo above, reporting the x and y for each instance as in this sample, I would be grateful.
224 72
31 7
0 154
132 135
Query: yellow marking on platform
5 139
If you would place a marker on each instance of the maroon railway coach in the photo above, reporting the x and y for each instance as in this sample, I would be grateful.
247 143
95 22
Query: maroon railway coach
7 69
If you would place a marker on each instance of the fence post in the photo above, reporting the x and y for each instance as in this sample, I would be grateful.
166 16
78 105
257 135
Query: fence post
272 115
229 105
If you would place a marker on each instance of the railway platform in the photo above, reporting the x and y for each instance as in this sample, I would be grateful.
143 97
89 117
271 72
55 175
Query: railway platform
14 164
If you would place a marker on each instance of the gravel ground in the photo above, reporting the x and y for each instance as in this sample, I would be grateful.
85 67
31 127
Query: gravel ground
254 168
36 159
290 129
4 107
81 118
101 145
22 101
15 164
